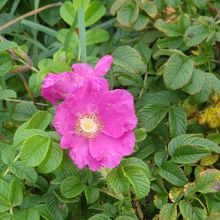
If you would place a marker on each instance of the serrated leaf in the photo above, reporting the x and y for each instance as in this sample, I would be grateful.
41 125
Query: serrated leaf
117 181
177 121
23 172
27 214
168 212
7 93
72 187
99 217
151 115
53 159
34 150
128 59
150 8
92 194
22 135
55 208
15 195
172 173
141 22
196 34
189 154
191 213
170 29
178 72
196 83
138 180
208 181
40 120
128 14
24 111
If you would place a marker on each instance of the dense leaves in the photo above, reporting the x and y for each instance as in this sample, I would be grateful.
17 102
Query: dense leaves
166 54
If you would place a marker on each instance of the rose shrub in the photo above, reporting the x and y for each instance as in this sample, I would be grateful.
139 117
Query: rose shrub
109 109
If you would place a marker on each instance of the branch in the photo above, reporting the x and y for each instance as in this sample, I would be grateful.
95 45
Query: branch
36 11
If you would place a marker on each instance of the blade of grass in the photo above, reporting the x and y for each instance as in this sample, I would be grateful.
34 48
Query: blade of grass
39 27
82 34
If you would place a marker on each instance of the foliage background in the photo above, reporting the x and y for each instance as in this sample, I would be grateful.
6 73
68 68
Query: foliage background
166 53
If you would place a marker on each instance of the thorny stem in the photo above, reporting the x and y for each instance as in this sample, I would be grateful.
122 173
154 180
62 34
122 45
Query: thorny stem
8 24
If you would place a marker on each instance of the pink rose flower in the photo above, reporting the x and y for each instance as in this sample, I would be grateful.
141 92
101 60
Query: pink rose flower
58 86
97 126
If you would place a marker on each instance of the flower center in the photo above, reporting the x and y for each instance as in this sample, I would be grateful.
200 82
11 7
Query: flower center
88 125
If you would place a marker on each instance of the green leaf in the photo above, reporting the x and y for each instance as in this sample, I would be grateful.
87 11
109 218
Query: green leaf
140 134
150 8
96 35
177 121
84 3
94 12
24 111
141 22
4 190
178 72
170 29
189 154
214 82
56 208
172 173
208 181
117 181
92 194
68 12
128 59
190 212
40 120
23 172
61 36
191 141
34 150
196 34
72 187
138 179
3 3
53 159
5 45
170 42
201 4
21 136
151 115
168 212
26 214
15 193
5 63
128 14
7 93
196 83
99 217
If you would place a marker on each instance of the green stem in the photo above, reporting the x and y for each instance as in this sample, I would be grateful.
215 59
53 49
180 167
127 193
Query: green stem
82 33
